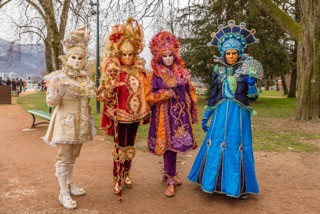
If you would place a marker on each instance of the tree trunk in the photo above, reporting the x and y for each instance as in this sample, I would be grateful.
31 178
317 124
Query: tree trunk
48 55
293 84
267 85
293 78
307 106
55 32
59 33
284 85
56 49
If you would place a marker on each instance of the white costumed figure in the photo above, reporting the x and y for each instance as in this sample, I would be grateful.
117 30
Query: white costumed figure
69 91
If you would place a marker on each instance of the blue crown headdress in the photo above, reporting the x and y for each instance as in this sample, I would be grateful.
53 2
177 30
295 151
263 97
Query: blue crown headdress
233 37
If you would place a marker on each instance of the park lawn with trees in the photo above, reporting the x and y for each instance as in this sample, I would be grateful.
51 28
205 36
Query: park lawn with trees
273 127
291 24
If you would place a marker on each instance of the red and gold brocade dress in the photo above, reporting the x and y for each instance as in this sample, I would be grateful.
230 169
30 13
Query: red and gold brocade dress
127 102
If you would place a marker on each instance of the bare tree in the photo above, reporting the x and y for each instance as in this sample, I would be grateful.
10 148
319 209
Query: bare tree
54 27
48 20
45 21
154 15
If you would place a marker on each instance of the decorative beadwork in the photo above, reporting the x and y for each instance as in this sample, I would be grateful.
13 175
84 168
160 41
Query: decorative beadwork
223 145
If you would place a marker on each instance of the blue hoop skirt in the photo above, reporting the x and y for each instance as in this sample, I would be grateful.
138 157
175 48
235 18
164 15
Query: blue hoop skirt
225 162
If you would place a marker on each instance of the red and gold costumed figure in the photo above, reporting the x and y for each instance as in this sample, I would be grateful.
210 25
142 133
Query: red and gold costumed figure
122 91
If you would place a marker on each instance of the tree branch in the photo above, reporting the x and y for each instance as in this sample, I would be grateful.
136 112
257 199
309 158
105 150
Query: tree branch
3 3
40 11
39 31
64 17
292 27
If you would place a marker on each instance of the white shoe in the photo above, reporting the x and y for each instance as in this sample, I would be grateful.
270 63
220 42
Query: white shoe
76 191
66 200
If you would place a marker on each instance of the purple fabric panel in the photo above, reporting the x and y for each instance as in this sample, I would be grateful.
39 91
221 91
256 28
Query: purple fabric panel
179 119
152 129
170 163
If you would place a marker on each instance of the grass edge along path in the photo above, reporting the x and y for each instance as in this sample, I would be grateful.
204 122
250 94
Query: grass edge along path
271 131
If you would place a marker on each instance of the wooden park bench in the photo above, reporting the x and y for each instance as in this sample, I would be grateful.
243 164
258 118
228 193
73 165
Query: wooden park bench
41 114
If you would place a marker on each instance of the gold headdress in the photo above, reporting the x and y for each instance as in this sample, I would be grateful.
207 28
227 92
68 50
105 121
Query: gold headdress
127 47
77 41
126 37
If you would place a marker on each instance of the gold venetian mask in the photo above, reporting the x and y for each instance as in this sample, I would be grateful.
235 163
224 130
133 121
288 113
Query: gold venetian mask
127 53
231 56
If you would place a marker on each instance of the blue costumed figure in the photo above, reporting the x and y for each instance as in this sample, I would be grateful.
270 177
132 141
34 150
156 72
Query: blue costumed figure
225 162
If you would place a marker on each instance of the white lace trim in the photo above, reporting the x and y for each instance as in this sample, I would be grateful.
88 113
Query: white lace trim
54 142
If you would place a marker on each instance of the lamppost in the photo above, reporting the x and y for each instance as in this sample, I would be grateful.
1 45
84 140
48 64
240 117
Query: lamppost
96 12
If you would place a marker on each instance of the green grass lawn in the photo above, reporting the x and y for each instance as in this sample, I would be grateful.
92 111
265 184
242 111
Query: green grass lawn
272 107
274 104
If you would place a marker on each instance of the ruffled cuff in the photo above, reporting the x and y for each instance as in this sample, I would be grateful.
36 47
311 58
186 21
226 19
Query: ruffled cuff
252 91
54 96
160 96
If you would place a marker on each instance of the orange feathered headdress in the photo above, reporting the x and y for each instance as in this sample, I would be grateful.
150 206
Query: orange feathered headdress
162 42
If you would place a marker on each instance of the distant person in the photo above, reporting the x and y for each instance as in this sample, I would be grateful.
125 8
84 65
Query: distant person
225 162
8 82
21 85
18 86
71 124
25 85
1 81
14 85
43 86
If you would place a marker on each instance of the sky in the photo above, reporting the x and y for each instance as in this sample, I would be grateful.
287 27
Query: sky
7 30
7 33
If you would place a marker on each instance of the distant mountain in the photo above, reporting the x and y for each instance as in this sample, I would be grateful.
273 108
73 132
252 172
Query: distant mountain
22 59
